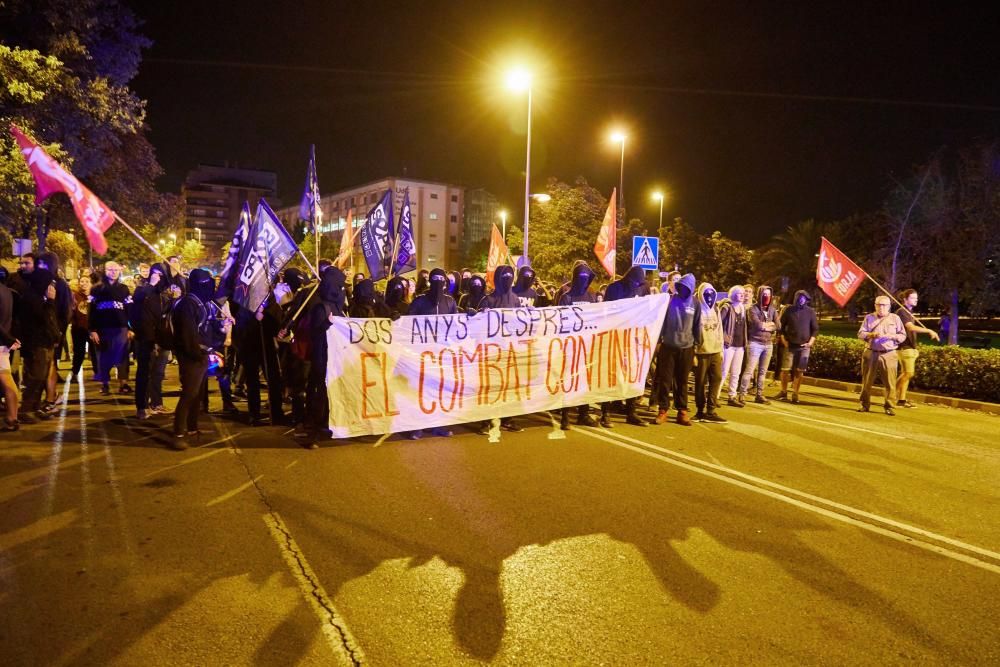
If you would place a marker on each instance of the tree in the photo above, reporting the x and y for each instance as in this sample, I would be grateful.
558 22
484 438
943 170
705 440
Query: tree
733 262
714 259
476 254
791 254
66 248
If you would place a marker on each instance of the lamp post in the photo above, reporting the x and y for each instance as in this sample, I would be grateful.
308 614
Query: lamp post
619 137
659 196
503 222
519 80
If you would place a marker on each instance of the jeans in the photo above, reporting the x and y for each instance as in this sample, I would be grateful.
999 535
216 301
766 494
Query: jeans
759 356
732 365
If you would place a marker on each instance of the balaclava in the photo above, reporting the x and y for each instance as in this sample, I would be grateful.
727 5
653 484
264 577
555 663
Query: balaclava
765 296
503 279
683 289
201 284
331 290
477 288
466 277
294 279
163 273
395 291
525 278
454 281
709 295
582 277
635 277
438 280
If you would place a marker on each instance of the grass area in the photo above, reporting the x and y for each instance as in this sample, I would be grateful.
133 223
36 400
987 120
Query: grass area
844 329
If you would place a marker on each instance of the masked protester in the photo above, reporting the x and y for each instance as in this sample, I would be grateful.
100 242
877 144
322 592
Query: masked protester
578 291
329 305
64 309
37 328
395 297
157 308
680 333
631 285
192 342
436 300
8 343
455 285
502 296
366 302
254 336
761 327
708 356
293 352
799 328
463 287
470 301
109 328
733 313
524 288
146 314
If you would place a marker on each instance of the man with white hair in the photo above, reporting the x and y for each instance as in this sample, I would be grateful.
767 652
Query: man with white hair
109 327
882 332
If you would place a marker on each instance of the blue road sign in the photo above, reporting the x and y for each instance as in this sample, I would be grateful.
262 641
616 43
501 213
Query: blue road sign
646 251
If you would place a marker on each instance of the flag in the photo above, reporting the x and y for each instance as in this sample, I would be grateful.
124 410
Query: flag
406 254
267 249
499 254
376 237
309 209
50 177
836 274
607 238
346 242
227 279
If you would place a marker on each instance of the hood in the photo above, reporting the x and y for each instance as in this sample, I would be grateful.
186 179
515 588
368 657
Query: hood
438 281
760 296
503 279
295 279
395 292
464 285
51 261
687 282
164 281
525 277
477 288
364 292
583 275
802 292
331 288
707 296
201 284
635 277
39 280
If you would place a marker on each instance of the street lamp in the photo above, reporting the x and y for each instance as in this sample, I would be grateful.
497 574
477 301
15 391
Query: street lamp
503 222
198 232
619 136
520 80
660 196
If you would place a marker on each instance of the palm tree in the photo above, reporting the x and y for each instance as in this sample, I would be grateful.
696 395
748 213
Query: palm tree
791 254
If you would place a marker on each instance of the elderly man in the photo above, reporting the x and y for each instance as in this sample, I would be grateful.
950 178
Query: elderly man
882 332
109 327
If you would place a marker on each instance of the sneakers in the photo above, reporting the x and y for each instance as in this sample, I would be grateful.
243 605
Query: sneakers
889 411
682 418
733 403
759 398
441 431
105 390
125 389
158 410
782 396
8 425
795 399
906 404
699 417
661 417
714 418
141 415
606 419
177 443
415 435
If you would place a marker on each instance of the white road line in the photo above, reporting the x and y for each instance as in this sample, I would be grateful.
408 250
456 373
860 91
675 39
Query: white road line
239 489
671 457
187 461
792 415
343 644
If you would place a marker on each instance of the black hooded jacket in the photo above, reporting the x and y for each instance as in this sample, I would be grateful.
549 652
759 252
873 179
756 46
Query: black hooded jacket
436 300
799 323
64 295
631 285
192 332
35 323
524 288
471 301
331 301
502 295
395 297
578 289
109 306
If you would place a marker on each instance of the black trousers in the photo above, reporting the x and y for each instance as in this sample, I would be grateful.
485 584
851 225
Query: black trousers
317 402
258 355
37 361
707 378
81 345
143 363
674 368
192 374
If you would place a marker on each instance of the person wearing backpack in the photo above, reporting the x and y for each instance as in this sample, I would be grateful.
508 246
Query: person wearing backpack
192 342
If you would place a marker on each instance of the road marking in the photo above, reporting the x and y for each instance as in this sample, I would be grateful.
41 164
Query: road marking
239 489
194 459
343 644
792 415
697 465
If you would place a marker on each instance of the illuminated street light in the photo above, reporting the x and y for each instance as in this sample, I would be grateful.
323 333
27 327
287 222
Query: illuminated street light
541 197
520 80
503 222
660 196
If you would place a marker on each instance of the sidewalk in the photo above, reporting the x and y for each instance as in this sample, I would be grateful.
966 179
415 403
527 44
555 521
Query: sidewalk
915 397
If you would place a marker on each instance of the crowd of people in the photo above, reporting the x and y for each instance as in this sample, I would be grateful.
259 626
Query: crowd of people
163 315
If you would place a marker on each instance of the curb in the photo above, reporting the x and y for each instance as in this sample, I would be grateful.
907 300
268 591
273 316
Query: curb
916 397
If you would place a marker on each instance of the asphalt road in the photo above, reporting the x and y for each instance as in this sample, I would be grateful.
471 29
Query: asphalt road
803 534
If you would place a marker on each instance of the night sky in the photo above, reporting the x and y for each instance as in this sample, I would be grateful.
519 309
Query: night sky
752 115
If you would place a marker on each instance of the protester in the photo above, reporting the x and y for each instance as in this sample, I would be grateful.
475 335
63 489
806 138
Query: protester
708 356
435 301
395 297
146 313
578 291
733 314
320 316
907 350
799 328
176 274
254 335
762 325
631 285
79 328
64 309
193 341
678 337
109 330
524 289
37 329
8 343
882 332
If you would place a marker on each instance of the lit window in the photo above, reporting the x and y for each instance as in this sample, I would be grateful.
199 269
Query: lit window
432 258
432 216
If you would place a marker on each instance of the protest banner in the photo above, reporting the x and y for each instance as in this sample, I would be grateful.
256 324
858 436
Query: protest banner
418 372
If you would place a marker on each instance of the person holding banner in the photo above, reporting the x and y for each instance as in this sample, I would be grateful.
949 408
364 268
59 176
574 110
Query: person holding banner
436 301
469 302
908 348
395 298
502 296
525 290
708 357
882 332
631 285
680 334
578 291
321 314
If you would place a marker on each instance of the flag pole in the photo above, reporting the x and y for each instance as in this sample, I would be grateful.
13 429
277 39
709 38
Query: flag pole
891 296
306 260
140 237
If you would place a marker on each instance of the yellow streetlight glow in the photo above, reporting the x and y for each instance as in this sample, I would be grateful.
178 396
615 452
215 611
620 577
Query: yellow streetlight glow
519 80
618 137
541 197
658 196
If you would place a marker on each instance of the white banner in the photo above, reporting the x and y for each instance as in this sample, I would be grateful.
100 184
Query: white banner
418 372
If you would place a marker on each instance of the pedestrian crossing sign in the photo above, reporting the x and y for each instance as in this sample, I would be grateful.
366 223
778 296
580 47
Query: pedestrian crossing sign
646 251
